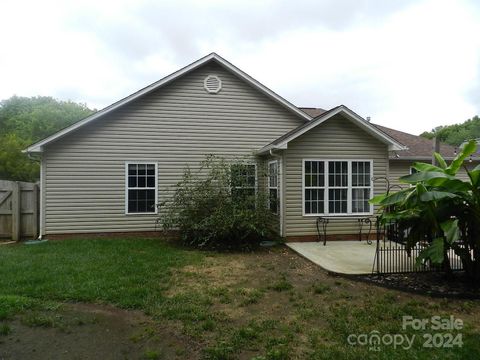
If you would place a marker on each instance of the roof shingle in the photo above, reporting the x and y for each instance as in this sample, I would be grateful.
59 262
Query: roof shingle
418 146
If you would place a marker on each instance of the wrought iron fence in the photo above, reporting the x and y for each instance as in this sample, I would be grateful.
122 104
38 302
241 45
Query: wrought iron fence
393 256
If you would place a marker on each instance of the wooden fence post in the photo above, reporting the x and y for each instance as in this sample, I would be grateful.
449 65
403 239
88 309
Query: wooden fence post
16 215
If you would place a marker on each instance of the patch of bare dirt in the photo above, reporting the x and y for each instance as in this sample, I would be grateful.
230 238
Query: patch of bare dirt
211 272
87 331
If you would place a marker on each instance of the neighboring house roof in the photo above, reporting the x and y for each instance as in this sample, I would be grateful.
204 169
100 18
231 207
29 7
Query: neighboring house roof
38 147
282 141
419 148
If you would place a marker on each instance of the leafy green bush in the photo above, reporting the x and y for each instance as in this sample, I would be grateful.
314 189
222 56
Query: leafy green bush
219 206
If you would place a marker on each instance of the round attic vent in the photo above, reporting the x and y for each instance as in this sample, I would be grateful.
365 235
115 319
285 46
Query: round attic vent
212 84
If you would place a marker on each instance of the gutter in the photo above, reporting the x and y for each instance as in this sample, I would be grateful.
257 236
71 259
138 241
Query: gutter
426 159
280 174
270 148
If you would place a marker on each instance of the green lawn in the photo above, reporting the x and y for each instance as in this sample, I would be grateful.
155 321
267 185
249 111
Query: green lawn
264 305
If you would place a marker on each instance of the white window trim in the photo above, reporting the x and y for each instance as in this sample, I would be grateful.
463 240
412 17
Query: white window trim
256 176
349 212
276 187
127 188
313 187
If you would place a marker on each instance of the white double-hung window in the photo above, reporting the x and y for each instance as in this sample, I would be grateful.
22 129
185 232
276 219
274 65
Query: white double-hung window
337 187
361 186
141 188
244 180
273 199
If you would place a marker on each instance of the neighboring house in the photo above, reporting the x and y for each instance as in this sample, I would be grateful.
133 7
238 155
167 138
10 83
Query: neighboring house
419 149
107 172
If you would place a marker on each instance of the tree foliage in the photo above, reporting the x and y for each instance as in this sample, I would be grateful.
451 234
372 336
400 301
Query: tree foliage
211 209
456 134
24 121
440 208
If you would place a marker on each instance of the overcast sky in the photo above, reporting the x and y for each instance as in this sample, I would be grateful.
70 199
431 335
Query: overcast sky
410 65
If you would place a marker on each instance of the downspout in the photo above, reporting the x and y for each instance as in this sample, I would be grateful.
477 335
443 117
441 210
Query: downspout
281 182
40 220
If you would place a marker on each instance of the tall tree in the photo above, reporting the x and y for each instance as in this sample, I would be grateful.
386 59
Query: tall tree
26 120
458 133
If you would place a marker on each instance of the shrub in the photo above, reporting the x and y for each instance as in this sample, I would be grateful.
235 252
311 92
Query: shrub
442 208
218 207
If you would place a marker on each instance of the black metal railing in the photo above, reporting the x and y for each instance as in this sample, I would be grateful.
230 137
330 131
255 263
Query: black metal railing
392 255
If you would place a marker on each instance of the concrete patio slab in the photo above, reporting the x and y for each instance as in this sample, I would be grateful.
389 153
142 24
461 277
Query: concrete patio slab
357 257
343 257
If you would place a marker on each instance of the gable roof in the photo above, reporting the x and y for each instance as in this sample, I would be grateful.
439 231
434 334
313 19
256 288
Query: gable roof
282 141
38 146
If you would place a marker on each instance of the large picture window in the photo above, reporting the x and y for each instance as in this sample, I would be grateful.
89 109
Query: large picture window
141 188
337 187
273 201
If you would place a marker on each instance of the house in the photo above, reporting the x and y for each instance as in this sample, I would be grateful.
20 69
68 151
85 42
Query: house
419 149
106 173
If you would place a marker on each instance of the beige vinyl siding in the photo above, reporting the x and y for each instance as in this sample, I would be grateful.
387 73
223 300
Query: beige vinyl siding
174 126
337 138
397 169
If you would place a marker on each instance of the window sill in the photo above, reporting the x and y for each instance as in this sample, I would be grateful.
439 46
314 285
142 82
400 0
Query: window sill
143 214
350 216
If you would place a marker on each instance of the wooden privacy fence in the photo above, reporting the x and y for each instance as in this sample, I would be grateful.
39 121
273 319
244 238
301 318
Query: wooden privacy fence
19 210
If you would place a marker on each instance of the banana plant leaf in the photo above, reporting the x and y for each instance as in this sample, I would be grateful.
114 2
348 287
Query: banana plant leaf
434 252
466 151
436 195
425 176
